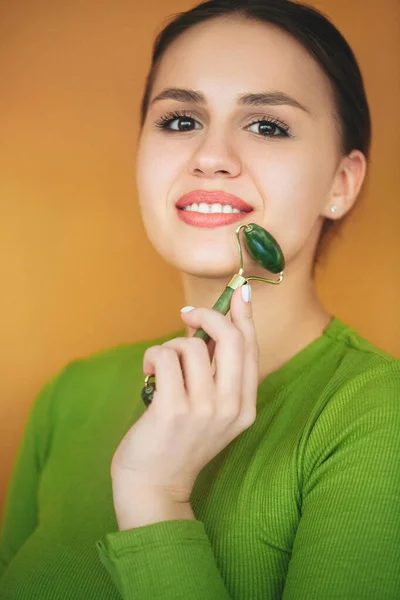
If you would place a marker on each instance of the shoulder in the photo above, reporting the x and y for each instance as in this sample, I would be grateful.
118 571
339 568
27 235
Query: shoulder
356 348
111 362
359 405
361 365
363 389
96 381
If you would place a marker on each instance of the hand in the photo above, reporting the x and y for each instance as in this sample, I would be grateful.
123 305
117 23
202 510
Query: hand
194 413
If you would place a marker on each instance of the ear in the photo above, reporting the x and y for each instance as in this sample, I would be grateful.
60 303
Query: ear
346 185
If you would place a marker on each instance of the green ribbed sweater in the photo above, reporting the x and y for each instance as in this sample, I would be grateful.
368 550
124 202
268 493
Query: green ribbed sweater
303 505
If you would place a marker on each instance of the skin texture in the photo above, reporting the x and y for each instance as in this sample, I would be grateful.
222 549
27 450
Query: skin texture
290 182
198 407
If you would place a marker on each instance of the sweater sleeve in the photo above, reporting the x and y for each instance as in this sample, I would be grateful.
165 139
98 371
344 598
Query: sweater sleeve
347 544
20 508
170 560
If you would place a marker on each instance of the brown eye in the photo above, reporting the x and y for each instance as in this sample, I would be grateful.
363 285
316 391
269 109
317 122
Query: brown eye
269 129
181 122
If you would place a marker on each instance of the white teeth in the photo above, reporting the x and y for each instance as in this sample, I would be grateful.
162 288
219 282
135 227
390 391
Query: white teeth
203 207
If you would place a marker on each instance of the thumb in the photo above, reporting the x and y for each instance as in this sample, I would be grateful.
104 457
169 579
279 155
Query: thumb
239 306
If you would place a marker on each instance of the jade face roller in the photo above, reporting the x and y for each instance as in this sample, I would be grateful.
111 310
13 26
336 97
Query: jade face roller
264 248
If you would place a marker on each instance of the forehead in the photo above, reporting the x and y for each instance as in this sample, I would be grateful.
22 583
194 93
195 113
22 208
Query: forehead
224 57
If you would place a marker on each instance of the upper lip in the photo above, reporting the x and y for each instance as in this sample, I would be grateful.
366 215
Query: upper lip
213 197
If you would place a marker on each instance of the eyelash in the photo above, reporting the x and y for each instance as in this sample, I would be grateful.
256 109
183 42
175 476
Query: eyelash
164 121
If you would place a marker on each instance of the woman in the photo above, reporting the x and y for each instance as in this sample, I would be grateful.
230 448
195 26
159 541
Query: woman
273 471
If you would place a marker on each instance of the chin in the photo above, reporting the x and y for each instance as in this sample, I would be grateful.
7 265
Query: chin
208 266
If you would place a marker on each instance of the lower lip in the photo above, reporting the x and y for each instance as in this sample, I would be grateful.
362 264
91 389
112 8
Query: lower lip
210 219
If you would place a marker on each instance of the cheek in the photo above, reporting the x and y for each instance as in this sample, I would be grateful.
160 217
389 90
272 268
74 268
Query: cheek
158 170
292 180
294 184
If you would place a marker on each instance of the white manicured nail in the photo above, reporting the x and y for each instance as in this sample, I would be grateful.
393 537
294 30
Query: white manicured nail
187 308
246 292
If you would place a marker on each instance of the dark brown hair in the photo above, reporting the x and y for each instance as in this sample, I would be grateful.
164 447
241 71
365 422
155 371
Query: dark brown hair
318 36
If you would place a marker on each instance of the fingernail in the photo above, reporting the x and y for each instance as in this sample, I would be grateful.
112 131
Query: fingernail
246 292
187 309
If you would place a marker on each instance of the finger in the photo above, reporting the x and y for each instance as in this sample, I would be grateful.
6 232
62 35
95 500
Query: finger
229 348
242 319
164 364
210 343
197 370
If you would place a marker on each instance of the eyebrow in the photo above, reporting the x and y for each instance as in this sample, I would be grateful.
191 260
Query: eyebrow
255 99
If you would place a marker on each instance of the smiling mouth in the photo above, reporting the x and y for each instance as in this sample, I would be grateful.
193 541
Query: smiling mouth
213 201
209 219
216 208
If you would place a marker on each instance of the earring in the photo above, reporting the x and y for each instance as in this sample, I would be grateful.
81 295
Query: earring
333 208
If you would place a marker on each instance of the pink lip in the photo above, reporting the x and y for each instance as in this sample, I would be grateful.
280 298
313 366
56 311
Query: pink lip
214 197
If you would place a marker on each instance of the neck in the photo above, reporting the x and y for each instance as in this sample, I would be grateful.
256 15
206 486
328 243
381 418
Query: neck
287 317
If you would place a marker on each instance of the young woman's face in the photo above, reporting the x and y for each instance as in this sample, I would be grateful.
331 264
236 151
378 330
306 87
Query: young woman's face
284 169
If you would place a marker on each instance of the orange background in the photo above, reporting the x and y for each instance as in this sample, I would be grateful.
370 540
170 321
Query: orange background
78 273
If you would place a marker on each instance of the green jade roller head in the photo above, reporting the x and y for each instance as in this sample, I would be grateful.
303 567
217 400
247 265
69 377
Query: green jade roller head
265 250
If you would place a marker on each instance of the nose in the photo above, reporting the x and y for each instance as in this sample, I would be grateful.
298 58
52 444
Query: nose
214 157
